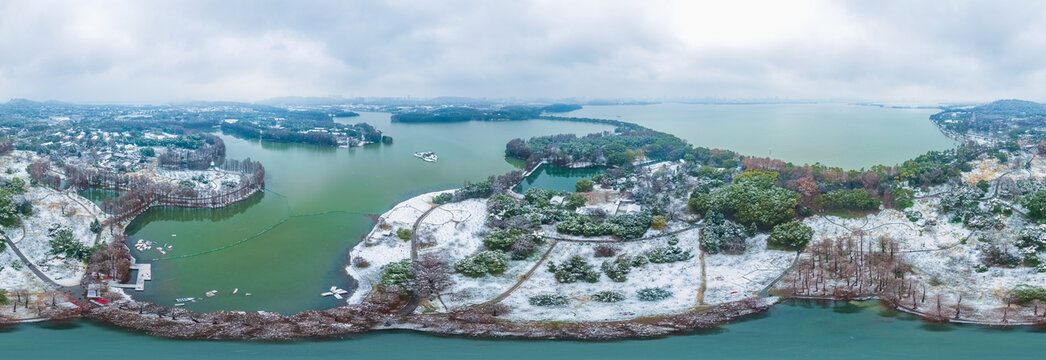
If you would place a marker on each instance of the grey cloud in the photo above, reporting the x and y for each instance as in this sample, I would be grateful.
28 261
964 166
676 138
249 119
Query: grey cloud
250 50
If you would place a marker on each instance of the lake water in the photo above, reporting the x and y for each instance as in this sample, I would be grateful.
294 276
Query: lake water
557 179
319 199
850 136
790 331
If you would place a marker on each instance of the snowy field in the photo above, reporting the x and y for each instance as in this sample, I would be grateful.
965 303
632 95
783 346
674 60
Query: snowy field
50 208
212 180
64 209
455 230
382 246
944 257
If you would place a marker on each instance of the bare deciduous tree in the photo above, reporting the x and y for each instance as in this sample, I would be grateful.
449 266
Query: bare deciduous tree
432 277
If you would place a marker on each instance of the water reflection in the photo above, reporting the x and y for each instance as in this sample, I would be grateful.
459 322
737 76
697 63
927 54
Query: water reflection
182 214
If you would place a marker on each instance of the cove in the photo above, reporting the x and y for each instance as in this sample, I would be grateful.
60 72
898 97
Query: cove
848 136
795 330
320 199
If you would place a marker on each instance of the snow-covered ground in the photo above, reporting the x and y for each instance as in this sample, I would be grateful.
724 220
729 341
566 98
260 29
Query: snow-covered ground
729 278
64 209
456 230
214 180
382 246
944 257
32 238
735 277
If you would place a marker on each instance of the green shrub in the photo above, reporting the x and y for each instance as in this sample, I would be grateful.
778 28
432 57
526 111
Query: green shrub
499 239
397 276
902 198
793 235
618 269
653 294
584 185
481 263
913 215
403 234
574 200
1036 205
854 200
639 260
984 185
548 300
1024 294
574 269
62 243
626 227
668 254
721 235
608 296
442 198
658 222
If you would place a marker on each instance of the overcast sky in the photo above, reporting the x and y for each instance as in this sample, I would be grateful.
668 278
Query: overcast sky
153 51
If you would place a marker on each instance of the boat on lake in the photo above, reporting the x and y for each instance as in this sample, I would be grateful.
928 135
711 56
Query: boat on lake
428 156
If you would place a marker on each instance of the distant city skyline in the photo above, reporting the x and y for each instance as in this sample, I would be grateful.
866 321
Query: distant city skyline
887 51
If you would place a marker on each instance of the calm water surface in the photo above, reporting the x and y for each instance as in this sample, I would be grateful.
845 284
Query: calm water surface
850 136
313 211
557 179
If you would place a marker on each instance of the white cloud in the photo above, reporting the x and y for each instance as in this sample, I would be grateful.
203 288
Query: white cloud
250 50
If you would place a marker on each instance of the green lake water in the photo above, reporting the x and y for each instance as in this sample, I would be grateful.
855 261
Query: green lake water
557 179
850 136
319 198
789 331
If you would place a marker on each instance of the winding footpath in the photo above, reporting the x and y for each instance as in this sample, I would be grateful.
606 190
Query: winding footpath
32 267
414 301
557 240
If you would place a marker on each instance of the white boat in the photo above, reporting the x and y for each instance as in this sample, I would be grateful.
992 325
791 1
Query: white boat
428 156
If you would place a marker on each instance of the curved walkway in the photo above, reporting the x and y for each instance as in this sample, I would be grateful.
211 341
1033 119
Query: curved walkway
524 278
412 304
545 256
32 266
